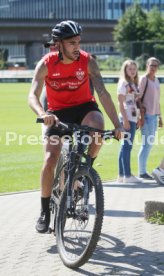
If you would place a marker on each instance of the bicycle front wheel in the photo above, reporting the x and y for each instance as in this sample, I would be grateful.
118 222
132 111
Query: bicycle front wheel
77 235
58 186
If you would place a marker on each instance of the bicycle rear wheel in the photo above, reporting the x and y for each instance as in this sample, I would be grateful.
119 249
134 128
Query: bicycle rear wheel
77 236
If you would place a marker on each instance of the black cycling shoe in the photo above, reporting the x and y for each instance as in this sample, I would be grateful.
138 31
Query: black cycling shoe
43 223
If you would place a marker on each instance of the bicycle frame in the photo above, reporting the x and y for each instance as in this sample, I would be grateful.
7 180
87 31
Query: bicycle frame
76 152
79 209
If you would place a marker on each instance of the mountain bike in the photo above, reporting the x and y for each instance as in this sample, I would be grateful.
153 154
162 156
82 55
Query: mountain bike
77 200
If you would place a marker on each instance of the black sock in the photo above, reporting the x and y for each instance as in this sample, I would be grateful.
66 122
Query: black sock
92 161
45 202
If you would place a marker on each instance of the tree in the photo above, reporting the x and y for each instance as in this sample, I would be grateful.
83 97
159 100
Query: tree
156 33
138 33
155 25
132 27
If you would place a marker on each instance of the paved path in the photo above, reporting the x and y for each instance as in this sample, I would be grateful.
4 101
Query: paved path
128 244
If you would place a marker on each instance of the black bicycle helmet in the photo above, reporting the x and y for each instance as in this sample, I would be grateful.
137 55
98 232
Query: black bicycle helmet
49 43
66 29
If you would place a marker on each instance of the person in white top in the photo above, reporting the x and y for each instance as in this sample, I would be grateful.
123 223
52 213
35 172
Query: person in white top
149 86
128 93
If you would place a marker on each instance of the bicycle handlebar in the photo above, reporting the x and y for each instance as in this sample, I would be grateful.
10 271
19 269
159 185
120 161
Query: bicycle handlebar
107 134
41 120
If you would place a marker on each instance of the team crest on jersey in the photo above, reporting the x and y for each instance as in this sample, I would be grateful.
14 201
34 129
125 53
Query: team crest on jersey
80 74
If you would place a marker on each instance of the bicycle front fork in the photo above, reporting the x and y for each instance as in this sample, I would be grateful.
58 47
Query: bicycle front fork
71 172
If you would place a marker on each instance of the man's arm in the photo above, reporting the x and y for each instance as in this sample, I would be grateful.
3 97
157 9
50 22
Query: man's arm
160 124
35 91
36 88
103 94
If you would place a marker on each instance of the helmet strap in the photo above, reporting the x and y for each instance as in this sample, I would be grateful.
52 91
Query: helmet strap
79 56
60 56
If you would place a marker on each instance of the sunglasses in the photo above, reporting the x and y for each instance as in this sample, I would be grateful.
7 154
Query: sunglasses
153 65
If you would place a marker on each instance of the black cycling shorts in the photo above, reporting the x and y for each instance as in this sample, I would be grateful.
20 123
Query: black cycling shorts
73 114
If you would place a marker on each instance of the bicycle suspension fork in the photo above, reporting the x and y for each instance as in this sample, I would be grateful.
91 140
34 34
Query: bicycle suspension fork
71 172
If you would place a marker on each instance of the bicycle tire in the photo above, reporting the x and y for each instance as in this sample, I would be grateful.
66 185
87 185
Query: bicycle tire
66 238
56 185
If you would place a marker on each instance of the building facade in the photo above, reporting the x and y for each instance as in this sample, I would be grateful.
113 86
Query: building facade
71 9
26 24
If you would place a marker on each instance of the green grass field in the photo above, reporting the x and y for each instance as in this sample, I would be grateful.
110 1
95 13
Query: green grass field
21 155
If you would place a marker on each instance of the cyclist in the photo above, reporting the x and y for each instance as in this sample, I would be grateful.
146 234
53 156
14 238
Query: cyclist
66 75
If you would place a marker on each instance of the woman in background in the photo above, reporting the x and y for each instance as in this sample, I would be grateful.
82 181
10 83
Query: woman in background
150 89
127 95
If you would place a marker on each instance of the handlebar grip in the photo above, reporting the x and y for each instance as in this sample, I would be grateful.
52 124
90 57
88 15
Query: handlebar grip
61 125
39 120
113 133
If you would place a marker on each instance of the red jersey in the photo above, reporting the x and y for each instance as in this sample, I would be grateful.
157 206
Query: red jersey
67 84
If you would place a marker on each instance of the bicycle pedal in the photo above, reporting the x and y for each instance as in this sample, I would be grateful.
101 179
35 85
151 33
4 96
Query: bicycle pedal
50 231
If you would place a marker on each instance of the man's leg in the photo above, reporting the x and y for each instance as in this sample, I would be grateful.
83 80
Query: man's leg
52 151
94 119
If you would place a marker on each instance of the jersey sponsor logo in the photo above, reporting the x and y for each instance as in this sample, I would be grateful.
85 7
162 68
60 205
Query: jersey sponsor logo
80 74
55 84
